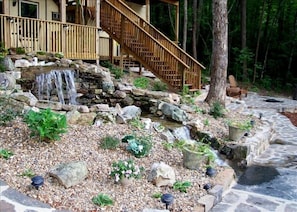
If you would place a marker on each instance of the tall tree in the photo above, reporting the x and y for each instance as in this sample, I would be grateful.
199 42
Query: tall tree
243 38
219 58
194 35
185 25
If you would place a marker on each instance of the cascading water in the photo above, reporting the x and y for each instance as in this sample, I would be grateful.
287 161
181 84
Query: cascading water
54 81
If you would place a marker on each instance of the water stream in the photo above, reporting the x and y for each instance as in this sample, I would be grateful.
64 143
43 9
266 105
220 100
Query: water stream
57 82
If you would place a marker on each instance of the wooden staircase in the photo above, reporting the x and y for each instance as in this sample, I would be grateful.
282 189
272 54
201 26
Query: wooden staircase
150 47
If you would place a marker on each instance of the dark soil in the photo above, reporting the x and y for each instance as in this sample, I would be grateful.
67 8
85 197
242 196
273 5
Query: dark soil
292 117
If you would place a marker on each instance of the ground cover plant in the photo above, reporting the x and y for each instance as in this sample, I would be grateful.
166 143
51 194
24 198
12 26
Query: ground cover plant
46 124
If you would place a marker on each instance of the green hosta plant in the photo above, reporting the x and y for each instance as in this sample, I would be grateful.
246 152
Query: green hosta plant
46 124
6 154
182 186
140 146
102 200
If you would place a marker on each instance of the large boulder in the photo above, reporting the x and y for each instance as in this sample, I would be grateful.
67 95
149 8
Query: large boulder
7 64
173 112
70 174
7 81
162 174
26 97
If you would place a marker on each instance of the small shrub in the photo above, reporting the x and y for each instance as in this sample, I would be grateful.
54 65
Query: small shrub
182 186
46 124
27 173
242 124
141 82
159 86
185 90
206 122
6 154
106 64
157 195
140 146
7 111
2 66
20 50
110 142
41 53
102 200
136 122
59 55
168 146
117 72
216 110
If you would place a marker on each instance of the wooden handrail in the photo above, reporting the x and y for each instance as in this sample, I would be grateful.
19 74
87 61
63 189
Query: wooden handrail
41 35
193 73
149 35
151 29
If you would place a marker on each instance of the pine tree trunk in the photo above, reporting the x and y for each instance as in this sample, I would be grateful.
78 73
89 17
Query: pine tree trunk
219 59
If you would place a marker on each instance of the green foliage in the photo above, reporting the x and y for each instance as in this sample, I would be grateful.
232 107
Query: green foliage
46 124
141 82
20 50
168 146
41 53
216 110
125 169
159 86
102 200
2 67
206 122
117 72
110 142
59 55
202 149
27 173
185 90
241 124
188 99
7 111
136 122
106 64
6 154
182 186
266 83
157 195
140 146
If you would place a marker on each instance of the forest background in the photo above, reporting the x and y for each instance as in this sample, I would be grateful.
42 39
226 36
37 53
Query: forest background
262 38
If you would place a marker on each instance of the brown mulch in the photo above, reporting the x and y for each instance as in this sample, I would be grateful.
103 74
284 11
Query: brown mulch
292 117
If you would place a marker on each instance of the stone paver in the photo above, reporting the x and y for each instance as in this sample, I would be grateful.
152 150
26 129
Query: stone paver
280 194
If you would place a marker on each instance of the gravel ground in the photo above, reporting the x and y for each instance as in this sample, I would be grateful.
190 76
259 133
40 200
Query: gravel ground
81 143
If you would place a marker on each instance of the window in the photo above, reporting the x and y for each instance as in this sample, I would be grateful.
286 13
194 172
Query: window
1 7
29 9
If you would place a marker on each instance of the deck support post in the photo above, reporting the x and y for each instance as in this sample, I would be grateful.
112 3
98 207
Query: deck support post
63 20
122 41
97 31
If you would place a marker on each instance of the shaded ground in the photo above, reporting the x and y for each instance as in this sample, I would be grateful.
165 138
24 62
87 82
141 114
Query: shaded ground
292 117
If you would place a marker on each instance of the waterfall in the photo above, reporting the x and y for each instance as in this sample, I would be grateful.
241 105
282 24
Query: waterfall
59 82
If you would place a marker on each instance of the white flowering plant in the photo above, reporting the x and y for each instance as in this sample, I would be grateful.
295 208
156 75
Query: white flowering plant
125 169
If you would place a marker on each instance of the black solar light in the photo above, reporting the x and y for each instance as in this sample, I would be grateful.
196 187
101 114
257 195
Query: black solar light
210 171
167 199
37 181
